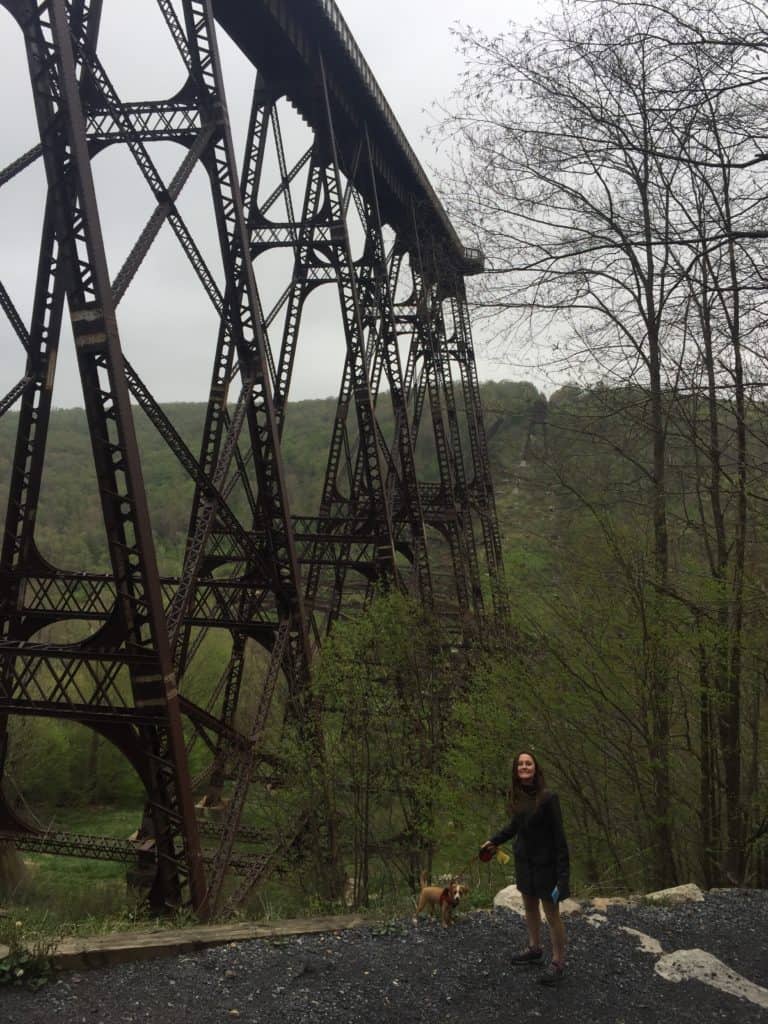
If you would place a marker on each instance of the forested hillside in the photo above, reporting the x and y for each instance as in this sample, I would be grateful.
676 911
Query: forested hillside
68 524
419 736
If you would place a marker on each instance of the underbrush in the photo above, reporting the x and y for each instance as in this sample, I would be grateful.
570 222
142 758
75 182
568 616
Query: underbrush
25 953
67 896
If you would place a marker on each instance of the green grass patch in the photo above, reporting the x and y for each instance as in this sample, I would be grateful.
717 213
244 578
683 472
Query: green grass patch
65 895
99 820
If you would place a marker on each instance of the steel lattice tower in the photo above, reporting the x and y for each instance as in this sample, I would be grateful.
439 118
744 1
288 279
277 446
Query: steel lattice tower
264 576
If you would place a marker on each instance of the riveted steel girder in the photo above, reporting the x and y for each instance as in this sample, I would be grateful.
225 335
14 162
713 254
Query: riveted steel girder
253 572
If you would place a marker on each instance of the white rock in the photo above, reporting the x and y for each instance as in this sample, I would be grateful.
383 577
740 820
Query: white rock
511 899
647 944
596 920
689 893
570 906
4 951
697 963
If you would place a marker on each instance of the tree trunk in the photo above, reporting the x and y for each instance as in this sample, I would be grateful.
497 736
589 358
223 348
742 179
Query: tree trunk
663 849
707 795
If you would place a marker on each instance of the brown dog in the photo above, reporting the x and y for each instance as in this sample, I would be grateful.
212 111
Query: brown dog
439 898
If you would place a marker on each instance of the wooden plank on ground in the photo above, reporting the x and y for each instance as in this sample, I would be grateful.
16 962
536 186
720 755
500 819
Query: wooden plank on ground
120 947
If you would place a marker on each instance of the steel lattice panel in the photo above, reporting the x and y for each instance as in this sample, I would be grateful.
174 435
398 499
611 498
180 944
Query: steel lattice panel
252 571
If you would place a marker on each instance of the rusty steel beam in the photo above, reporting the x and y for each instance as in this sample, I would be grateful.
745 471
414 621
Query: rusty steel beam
265 581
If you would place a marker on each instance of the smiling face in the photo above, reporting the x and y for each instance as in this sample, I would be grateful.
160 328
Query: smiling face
526 768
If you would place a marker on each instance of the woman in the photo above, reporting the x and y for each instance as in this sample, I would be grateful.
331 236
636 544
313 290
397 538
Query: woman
541 861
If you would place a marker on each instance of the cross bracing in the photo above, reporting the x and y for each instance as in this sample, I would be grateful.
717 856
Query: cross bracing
354 218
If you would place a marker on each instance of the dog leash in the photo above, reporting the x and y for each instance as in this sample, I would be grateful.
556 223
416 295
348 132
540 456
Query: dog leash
500 856
465 868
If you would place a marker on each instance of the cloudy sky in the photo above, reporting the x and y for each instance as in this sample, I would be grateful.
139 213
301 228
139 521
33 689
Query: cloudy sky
166 321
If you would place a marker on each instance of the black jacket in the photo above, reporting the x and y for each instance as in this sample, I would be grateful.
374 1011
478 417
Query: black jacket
539 837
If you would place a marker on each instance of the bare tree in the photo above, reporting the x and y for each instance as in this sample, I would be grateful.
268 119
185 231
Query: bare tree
610 162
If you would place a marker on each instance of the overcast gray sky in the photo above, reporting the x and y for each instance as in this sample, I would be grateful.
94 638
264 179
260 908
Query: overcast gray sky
167 324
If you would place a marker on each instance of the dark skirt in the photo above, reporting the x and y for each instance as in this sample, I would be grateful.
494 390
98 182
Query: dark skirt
538 879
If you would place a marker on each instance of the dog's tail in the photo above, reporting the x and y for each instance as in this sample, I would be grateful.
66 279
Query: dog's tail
423 879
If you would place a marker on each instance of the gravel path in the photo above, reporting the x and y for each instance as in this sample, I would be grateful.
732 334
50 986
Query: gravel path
426 974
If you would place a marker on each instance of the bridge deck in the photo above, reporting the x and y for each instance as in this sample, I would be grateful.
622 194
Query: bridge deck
283 38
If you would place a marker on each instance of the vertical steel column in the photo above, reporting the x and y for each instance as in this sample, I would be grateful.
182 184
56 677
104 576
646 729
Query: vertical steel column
482 484
374 277
42 341
246 320
140 629
464 523
243 309
357 363
428 325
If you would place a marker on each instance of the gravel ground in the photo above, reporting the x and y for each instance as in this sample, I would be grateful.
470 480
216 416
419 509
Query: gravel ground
426 974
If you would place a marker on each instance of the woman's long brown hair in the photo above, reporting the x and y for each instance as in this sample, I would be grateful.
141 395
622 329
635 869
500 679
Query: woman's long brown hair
517 798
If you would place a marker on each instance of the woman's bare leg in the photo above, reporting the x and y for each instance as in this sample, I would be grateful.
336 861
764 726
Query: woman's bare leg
556 929
532 920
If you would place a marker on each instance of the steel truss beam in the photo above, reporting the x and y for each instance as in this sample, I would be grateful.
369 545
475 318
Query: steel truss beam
252 571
